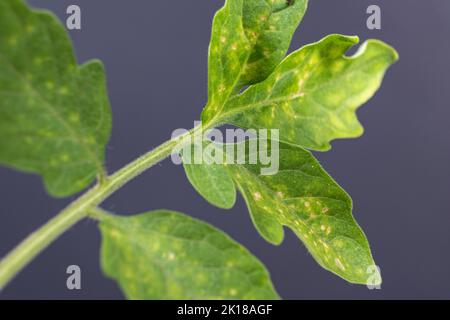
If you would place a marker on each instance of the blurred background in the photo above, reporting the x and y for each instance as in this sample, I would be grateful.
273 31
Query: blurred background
155 54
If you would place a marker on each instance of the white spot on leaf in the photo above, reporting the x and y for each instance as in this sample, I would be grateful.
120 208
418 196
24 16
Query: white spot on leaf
171 256
257 196
339 264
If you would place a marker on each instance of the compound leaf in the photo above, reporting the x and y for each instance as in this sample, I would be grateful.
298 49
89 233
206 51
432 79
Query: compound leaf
55 117
249 39
168 255
313 94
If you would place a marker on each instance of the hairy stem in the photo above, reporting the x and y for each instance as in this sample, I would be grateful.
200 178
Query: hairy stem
29 248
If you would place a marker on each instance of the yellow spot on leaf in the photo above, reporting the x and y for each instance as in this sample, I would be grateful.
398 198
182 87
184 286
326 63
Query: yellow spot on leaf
65 157
64 90
50 85
37 61
280 194
257 196
74 117
171 256
12 41
29 29
339 264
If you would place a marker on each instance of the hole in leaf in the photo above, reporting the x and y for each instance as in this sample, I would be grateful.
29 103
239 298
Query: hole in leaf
279 5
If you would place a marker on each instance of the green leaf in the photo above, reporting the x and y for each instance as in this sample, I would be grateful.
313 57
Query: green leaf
55 117
303 197
249 39
168 255
212 181
313 94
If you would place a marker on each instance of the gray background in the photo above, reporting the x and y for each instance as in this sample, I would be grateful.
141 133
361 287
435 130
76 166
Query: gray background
398 173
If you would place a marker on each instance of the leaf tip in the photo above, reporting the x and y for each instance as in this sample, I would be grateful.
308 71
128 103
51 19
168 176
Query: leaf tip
379 46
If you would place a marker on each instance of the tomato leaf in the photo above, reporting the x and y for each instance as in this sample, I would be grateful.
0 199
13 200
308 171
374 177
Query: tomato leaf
304 198
55 118
313 95
168 255
249 39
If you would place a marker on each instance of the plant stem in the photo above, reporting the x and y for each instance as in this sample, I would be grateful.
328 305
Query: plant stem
29 248
99 214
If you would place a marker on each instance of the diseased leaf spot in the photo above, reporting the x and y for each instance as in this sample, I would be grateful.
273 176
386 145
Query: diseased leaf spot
74 117
171 256
280 194
63 90
29 29
339 264
50 85
12 41
65 157
37 61
257 196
